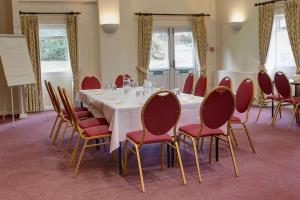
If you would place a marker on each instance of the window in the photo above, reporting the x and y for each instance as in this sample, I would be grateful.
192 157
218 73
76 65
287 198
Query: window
54 53
160 50
184 49
280 56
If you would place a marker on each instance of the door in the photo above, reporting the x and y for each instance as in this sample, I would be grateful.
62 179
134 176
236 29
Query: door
173 57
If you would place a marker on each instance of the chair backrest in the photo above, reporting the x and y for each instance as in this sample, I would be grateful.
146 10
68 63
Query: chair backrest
244 95
201 86
161 113
265 82
54 97
217 107
120 78
51 98
188 85
90 82
63 100
226 81
71 111
282 85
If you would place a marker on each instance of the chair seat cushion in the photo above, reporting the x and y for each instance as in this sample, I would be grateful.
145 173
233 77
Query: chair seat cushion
89 122
97 131
149 138
235 119
194 130
76 109
296 100
84 113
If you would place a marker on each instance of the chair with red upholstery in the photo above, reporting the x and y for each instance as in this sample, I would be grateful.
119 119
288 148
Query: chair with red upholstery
243 99
284 89
188 85
226 81
201 86
90 82
267 92
159 116
216 110
120 78
81 113
88 134
83 123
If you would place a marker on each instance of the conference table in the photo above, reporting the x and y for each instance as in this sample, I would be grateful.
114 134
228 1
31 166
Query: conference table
122 109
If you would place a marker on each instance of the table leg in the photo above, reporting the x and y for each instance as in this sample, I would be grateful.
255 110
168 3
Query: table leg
272 108
97 142
172 156
120 158
217 149
168 155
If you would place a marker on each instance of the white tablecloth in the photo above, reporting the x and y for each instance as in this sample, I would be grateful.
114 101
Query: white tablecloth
123 111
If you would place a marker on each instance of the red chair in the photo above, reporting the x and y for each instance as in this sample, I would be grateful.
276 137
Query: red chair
86 134
188 85
243 99
267 92
216 110
90 82
120 78
226 81
284 89
201 86
160 115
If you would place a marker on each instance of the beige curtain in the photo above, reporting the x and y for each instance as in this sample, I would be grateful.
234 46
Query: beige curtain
30 29
145 25
292 16
72 33
200 37
265 20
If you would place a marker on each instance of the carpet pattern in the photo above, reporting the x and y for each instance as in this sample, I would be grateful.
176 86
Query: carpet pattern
31 168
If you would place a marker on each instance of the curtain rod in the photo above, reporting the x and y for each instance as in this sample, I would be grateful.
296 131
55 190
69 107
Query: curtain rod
170 14
268 2
49 13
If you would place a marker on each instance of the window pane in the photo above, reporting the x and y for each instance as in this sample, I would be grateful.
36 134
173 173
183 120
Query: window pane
184 50
54 48
159 51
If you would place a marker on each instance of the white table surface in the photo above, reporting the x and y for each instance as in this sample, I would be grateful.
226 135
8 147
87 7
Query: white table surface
123 111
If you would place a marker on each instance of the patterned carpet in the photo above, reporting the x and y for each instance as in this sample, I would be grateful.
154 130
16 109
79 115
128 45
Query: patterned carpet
31 168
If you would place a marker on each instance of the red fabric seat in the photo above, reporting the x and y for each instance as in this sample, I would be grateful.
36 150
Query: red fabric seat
296 100
194 130
84 113
86 123
235 119
97 131
136 136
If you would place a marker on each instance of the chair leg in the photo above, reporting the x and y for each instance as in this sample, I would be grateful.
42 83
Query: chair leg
261 106
196 159
233 136
74 152
52 130
63 135
140 167
69 143
125 157
249 138
210 149
276 113
162 155
104 146
57 132
80 158
180 162
232 156
294 116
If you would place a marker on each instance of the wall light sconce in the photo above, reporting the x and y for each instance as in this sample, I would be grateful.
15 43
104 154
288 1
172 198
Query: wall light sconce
236 26
109 15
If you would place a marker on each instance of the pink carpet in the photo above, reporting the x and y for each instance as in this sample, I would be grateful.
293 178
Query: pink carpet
31 168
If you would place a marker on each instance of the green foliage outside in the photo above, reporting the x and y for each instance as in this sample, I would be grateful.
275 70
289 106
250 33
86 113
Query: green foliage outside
53 50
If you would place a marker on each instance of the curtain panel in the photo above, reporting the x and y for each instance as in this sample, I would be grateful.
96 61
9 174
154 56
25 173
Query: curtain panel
200 38
30 29
145 27
292 16
72 34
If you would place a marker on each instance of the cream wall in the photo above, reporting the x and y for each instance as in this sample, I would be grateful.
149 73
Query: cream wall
237 51
118 51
